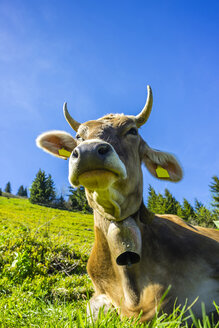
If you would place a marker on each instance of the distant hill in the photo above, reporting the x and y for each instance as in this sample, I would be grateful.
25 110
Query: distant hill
8 195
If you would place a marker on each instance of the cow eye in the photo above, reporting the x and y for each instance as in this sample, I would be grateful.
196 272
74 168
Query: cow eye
133 131
78 137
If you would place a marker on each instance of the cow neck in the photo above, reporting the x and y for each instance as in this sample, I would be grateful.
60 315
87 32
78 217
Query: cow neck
141 216
107 203
111 204
129 273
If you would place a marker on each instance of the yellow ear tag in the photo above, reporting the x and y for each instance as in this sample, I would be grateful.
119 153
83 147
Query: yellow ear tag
161 172
63 152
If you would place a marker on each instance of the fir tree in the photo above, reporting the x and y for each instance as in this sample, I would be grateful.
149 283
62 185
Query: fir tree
25 192
8 188
198 205
179 210
171 205
214 187
167 204
152 199
20 191
60 202
42 190
78 200
0 191
188 211
50 190
160 204
204 217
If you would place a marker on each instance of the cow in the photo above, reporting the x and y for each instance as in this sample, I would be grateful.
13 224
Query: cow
137 255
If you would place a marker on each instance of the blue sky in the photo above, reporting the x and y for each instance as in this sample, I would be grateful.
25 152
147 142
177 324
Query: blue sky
99 56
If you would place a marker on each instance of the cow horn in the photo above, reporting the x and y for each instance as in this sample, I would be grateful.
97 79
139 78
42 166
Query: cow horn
74 124
141 118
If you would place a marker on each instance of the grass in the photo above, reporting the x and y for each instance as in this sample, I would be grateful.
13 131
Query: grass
43 279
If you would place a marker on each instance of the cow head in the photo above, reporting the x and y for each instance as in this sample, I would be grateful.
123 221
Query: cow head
105 157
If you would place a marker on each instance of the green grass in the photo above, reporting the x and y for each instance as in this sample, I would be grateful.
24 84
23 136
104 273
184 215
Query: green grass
43 279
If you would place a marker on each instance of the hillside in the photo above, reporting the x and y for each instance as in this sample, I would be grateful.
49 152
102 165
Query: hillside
61 225
43 279
43 256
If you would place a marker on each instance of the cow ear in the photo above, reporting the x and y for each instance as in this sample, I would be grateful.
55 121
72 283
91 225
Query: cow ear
57 143
161 165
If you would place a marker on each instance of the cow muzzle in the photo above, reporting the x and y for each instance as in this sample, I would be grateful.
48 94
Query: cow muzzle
95 165
125 241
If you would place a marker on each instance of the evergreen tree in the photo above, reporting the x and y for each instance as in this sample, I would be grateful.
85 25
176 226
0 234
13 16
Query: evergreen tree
160 204
42 190
198 205
0 191
179 210
60 202
50 190
171 205
214 187
204 217
187 209
167 204
20 191
25 192
78 200
8 188
152 199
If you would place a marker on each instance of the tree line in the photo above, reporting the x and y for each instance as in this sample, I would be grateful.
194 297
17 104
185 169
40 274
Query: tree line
21 190
42 191
197 214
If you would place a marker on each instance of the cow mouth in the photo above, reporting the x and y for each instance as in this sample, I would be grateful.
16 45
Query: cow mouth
98 179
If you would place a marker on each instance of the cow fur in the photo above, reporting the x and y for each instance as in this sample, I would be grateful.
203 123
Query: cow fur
175 256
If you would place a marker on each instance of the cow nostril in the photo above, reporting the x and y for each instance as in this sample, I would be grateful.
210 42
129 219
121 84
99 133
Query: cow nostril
103 149
75 153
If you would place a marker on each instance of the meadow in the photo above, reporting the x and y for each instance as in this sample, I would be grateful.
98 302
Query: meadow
43 278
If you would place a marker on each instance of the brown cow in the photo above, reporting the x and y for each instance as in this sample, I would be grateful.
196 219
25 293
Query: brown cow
136 255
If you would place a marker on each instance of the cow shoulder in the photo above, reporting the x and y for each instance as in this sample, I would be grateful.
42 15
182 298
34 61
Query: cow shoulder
208 232
174 239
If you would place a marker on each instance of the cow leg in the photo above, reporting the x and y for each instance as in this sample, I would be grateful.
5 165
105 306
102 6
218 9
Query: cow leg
97 303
